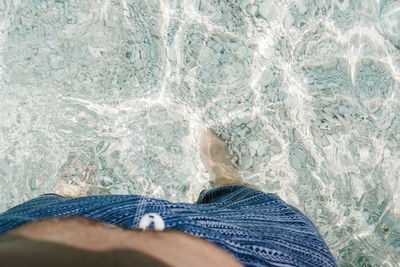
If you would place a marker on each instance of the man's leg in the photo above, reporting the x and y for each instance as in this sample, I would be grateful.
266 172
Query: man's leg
66 190
215 155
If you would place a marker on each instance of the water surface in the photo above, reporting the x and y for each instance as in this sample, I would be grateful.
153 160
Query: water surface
106 97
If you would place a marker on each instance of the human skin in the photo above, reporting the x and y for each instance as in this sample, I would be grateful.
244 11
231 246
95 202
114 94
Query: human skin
171 247
174 248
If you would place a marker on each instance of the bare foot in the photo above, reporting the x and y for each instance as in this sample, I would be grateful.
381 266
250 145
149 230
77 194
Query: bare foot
72 191
215 155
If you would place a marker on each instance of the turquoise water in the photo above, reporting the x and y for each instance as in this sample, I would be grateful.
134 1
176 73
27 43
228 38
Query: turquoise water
106 97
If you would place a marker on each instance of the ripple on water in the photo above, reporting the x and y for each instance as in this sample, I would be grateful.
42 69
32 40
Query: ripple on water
114 58
213 63
105 97
390 21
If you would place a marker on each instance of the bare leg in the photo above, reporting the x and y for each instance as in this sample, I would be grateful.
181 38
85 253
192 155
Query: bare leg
215 155
71 191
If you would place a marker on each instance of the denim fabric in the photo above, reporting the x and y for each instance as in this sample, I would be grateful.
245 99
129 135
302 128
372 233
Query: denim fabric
258 229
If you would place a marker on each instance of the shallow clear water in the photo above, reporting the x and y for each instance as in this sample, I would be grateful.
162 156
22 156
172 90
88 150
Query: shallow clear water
106 97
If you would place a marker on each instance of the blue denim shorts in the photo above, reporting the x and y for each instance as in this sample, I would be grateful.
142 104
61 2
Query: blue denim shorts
257 228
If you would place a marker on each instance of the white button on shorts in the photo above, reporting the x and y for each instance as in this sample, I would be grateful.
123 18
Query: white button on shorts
154 218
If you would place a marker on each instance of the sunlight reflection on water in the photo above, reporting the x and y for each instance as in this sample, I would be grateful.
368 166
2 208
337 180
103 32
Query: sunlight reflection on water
105 97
